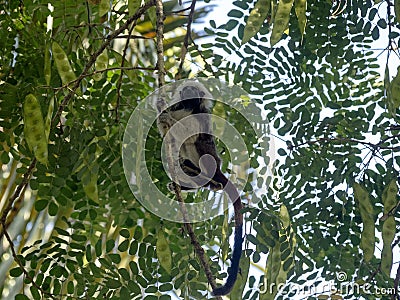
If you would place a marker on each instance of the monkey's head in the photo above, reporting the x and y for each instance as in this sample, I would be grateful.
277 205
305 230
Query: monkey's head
191 92
192 96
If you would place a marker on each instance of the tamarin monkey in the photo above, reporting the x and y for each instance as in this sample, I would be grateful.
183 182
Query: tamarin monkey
199 160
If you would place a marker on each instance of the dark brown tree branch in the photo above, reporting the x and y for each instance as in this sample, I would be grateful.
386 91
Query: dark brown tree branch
172 165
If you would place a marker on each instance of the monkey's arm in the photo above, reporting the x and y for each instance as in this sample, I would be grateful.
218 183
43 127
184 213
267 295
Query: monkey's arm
164 122
205 144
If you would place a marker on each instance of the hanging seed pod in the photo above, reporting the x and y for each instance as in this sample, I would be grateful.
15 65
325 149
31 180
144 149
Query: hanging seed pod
281 20
163 251
388 233
397 10
389 199
395 90
34 128
367 215
255 20
300 7
101 64
89 182
104 7
64 68
133 6
389 196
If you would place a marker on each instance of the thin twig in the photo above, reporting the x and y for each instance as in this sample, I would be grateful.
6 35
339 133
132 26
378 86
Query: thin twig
178 11
373 274
200 254
205 60
133 37
159 42
186 40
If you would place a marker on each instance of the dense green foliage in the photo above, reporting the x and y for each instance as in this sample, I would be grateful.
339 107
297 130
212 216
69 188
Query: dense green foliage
76 229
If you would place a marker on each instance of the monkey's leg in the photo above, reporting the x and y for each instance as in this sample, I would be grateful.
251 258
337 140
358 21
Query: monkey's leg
191 170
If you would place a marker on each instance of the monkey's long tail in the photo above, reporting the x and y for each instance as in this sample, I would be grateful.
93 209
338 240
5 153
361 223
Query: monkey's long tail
237 246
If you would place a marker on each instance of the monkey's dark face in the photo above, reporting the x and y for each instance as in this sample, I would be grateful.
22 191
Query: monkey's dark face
191 99
191 92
